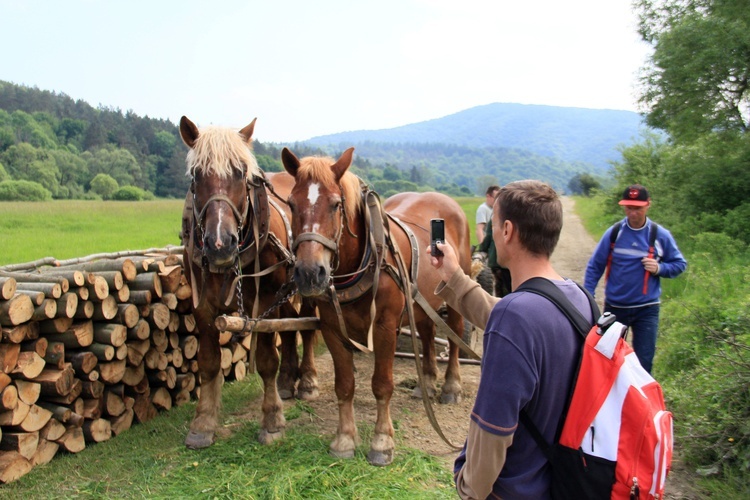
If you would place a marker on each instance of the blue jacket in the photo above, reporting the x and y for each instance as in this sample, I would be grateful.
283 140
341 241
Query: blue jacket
624 287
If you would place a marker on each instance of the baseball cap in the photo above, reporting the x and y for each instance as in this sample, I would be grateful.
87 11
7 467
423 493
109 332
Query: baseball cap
635 196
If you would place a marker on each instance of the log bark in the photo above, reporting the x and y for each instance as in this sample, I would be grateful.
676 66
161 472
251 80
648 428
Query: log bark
54 326
113 334
85 310
50 290
9 356
73 276
72 441
39 346
114 406
53 430
24 443
123 294
9 398
140 297
112 372
56 382
16 310
141 330
45 452
46 310
67 305
29 365
70 398
106 309
14 416
98 287
127 314
36 297
92 389
114 279
147 281
8 287
122 422
103 352
158 316
236 324
133 375
97 431
80 334
189 346
55 355
144 408
13 466
28 391
34 420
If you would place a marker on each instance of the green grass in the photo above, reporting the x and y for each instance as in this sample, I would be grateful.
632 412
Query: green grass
67 229
150 461
469 206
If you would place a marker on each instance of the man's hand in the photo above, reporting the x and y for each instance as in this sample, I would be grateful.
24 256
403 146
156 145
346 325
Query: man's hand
650 265
447 264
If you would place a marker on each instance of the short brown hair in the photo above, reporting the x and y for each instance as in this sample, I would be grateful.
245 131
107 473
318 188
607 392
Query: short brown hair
535 210
491 189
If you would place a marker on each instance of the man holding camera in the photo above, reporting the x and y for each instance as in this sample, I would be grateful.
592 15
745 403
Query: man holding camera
530 348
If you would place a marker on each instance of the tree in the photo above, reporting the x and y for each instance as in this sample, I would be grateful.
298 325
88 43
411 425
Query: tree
698 78
104 185
583 183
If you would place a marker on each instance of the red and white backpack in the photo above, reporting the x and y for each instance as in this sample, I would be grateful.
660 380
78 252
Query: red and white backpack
616 435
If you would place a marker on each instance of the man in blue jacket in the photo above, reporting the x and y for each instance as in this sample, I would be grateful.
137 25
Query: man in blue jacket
636 252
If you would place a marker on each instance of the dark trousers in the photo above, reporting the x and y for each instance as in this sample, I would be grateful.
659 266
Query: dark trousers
644 323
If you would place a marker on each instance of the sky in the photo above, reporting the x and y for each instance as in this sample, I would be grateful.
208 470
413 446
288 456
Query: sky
306 68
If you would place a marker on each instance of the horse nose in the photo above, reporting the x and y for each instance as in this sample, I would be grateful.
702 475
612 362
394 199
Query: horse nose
310 277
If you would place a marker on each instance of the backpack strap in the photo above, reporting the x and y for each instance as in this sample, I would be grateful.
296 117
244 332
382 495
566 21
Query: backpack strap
548 290
651 251
612 240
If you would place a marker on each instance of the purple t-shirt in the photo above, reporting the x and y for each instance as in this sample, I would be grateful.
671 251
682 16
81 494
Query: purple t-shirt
530 356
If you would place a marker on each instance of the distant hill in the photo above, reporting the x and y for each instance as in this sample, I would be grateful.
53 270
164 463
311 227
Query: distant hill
584 136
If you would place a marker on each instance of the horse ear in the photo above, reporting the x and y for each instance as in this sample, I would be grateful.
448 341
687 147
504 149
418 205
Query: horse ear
290 162
247 132
188 132
343 163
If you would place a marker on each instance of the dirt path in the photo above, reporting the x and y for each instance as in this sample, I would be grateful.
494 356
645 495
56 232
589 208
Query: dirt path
413 428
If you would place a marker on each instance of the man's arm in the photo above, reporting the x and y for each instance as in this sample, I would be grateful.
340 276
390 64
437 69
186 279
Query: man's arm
485 458
480 231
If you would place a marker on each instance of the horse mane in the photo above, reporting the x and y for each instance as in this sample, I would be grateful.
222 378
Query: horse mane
219 150
318 169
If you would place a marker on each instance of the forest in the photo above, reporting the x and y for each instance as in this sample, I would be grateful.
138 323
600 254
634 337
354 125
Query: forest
54 147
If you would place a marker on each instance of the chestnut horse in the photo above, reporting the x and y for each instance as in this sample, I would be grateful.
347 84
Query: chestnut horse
235 233
334 246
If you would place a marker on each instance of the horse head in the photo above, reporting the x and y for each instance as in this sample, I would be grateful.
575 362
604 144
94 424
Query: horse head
221 164
322 199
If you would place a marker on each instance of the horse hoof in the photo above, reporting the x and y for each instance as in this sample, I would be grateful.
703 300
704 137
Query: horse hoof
450 399
417 392
308 395
199 440
380 458
342 454
265 437
286 394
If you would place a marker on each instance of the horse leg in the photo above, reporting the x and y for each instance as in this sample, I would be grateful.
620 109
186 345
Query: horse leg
206 418
451 392
267 361
426 329
307 388
289 371
382 445
347 439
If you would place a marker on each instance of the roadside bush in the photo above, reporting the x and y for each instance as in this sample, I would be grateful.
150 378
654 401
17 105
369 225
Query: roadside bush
23 191
131 193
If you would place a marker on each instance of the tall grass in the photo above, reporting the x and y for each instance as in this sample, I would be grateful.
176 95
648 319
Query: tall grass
67 229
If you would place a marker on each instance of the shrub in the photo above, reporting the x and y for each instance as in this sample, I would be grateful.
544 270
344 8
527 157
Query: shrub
130 193
23 191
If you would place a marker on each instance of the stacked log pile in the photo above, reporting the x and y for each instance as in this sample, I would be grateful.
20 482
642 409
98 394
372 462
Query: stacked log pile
92 345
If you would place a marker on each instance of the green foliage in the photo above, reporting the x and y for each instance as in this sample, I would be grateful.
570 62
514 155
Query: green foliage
104 185
23 191
696 80
583 184
131 193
